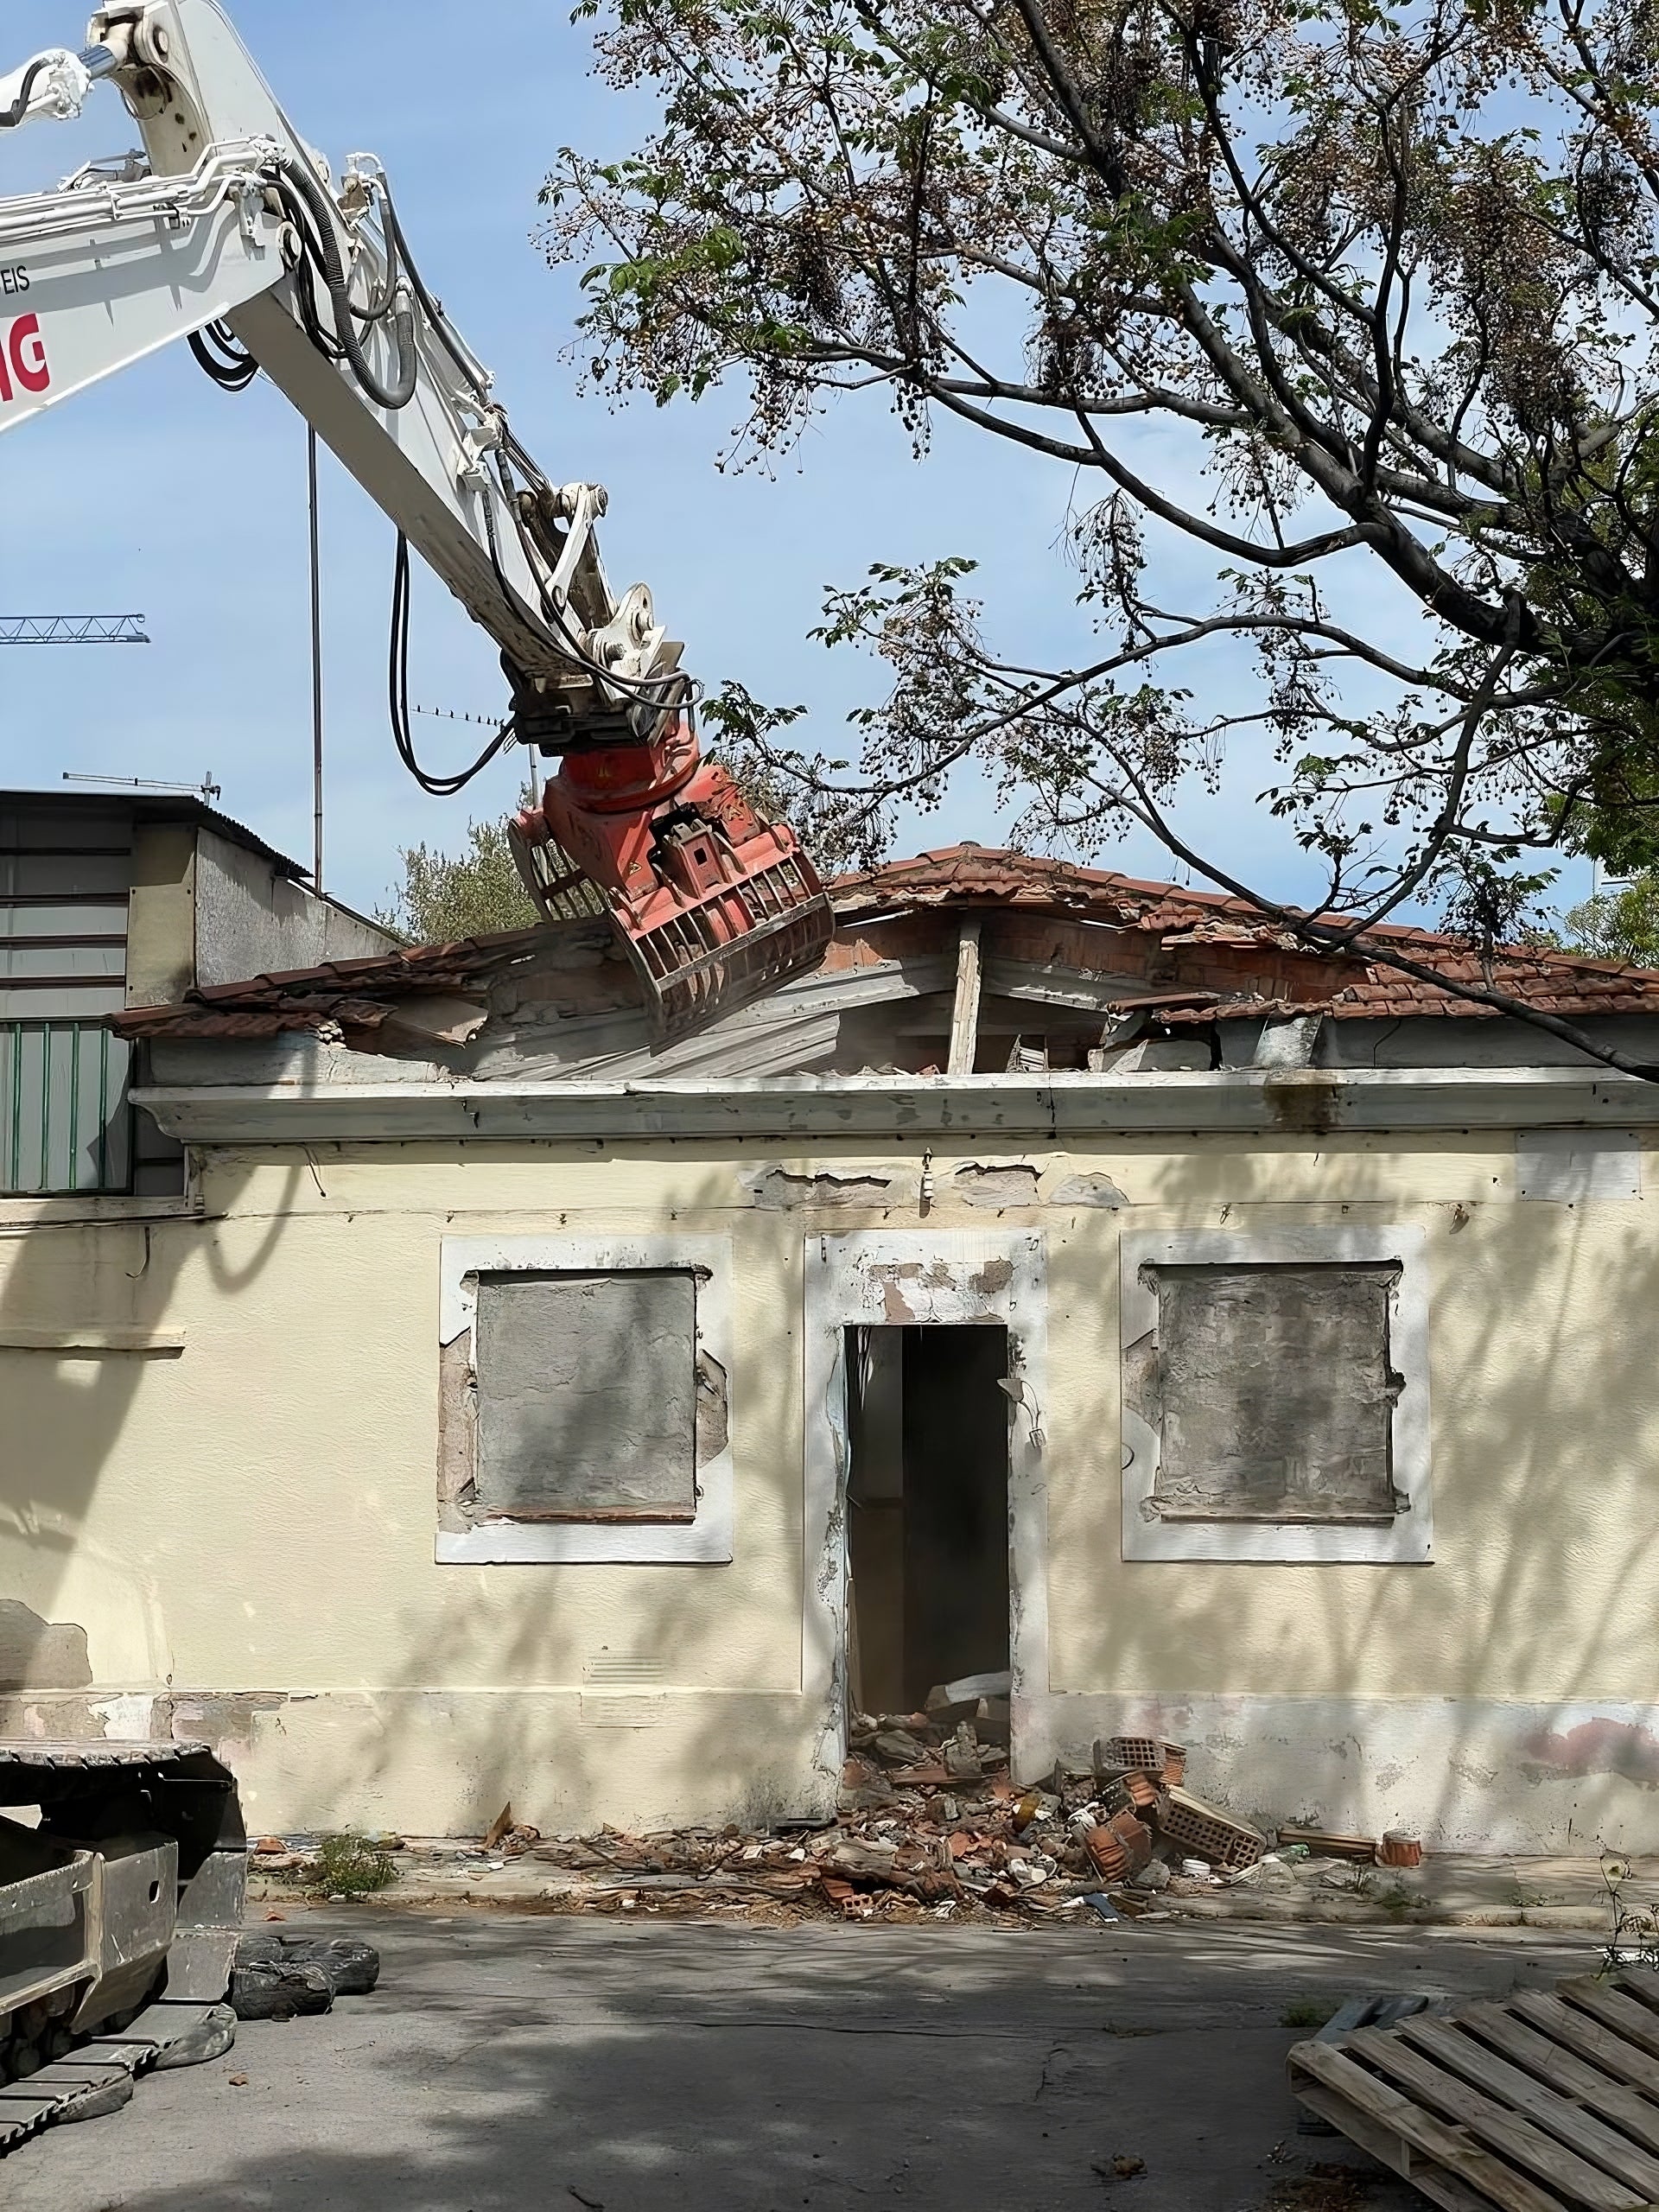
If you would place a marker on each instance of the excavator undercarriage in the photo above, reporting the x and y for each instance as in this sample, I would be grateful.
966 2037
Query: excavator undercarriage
129 1881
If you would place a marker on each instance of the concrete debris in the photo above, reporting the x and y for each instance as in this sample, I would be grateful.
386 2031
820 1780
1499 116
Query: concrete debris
1206 1834
1125 2167
1124 1754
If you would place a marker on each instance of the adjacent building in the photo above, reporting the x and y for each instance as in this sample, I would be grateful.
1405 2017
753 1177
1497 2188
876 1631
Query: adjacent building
116 900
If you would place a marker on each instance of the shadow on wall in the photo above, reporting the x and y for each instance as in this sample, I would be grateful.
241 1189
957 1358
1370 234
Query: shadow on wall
546 1728
66 1415
1544 1390
41 1656
1546 1398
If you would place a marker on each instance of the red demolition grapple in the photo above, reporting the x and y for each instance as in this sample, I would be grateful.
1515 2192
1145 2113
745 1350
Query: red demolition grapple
714 903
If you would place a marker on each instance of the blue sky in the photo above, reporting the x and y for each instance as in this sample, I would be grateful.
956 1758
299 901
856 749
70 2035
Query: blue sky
157 493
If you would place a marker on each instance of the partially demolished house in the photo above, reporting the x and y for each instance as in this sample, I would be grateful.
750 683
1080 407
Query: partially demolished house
1071 1277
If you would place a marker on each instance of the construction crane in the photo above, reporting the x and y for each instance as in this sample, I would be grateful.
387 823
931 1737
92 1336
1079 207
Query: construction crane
72 630
232 233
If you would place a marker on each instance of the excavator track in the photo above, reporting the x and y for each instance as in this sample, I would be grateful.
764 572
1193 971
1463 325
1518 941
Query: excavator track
95 2076
132 1886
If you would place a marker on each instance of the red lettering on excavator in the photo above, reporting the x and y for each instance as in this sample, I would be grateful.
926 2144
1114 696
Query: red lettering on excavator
23 365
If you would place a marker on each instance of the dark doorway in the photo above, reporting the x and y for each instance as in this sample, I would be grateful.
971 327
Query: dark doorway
928 1510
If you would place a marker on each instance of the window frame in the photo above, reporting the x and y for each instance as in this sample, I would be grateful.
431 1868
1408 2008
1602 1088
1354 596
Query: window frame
707 1537
1406 1540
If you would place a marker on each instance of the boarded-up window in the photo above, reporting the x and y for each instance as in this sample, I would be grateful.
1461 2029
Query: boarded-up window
1276 1393
586 1396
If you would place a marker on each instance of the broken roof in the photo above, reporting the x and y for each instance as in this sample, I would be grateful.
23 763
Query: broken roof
360 993
1202 956
1349 984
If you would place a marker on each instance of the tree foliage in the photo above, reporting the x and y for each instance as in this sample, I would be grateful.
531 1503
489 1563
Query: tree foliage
445 896
1620 924
1382 280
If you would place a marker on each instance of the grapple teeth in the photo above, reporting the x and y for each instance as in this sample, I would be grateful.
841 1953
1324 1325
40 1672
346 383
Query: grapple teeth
714 904
686 988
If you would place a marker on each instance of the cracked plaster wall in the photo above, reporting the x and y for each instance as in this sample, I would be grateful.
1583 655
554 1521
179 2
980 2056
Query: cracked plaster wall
245 1533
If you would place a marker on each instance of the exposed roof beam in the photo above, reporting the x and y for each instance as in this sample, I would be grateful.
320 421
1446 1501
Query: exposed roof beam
964 1017
616 1045
1054 985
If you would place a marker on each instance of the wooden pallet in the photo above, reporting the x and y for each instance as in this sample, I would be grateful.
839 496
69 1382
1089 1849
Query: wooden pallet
1547 2101
1376 2010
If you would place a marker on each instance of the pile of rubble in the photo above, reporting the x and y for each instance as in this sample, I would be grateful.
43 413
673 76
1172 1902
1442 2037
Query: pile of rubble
1109 1836
930 1825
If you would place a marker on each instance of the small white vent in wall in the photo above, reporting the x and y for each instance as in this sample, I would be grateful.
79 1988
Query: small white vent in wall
617 1670
1567 1166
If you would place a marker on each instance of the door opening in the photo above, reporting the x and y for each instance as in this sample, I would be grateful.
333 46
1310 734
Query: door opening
927 1511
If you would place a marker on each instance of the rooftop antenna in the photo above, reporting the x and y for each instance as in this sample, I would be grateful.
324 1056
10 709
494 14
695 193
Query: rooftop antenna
207 790
486 721
454 715
72 630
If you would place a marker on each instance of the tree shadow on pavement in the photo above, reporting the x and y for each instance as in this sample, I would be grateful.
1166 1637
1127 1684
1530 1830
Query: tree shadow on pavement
506 2064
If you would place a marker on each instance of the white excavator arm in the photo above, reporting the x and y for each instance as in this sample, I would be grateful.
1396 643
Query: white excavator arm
231 232
237 217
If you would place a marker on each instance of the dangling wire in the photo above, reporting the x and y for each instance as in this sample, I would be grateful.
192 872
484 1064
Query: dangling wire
397 686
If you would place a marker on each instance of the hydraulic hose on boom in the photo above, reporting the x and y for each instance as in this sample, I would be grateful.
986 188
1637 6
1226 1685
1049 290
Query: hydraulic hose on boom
230 233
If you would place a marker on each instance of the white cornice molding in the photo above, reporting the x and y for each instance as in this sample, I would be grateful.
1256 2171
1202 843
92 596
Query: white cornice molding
1304 1102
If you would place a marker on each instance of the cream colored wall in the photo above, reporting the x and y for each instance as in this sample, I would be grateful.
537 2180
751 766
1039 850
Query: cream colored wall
246 1528
1544 1384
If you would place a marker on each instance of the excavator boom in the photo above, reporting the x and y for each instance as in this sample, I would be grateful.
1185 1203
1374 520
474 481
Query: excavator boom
232 233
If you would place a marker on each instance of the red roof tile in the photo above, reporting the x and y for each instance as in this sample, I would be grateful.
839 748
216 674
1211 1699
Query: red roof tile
1347 985
354 993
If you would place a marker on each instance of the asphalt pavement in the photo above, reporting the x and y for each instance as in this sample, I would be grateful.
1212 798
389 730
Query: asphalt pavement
515 2063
